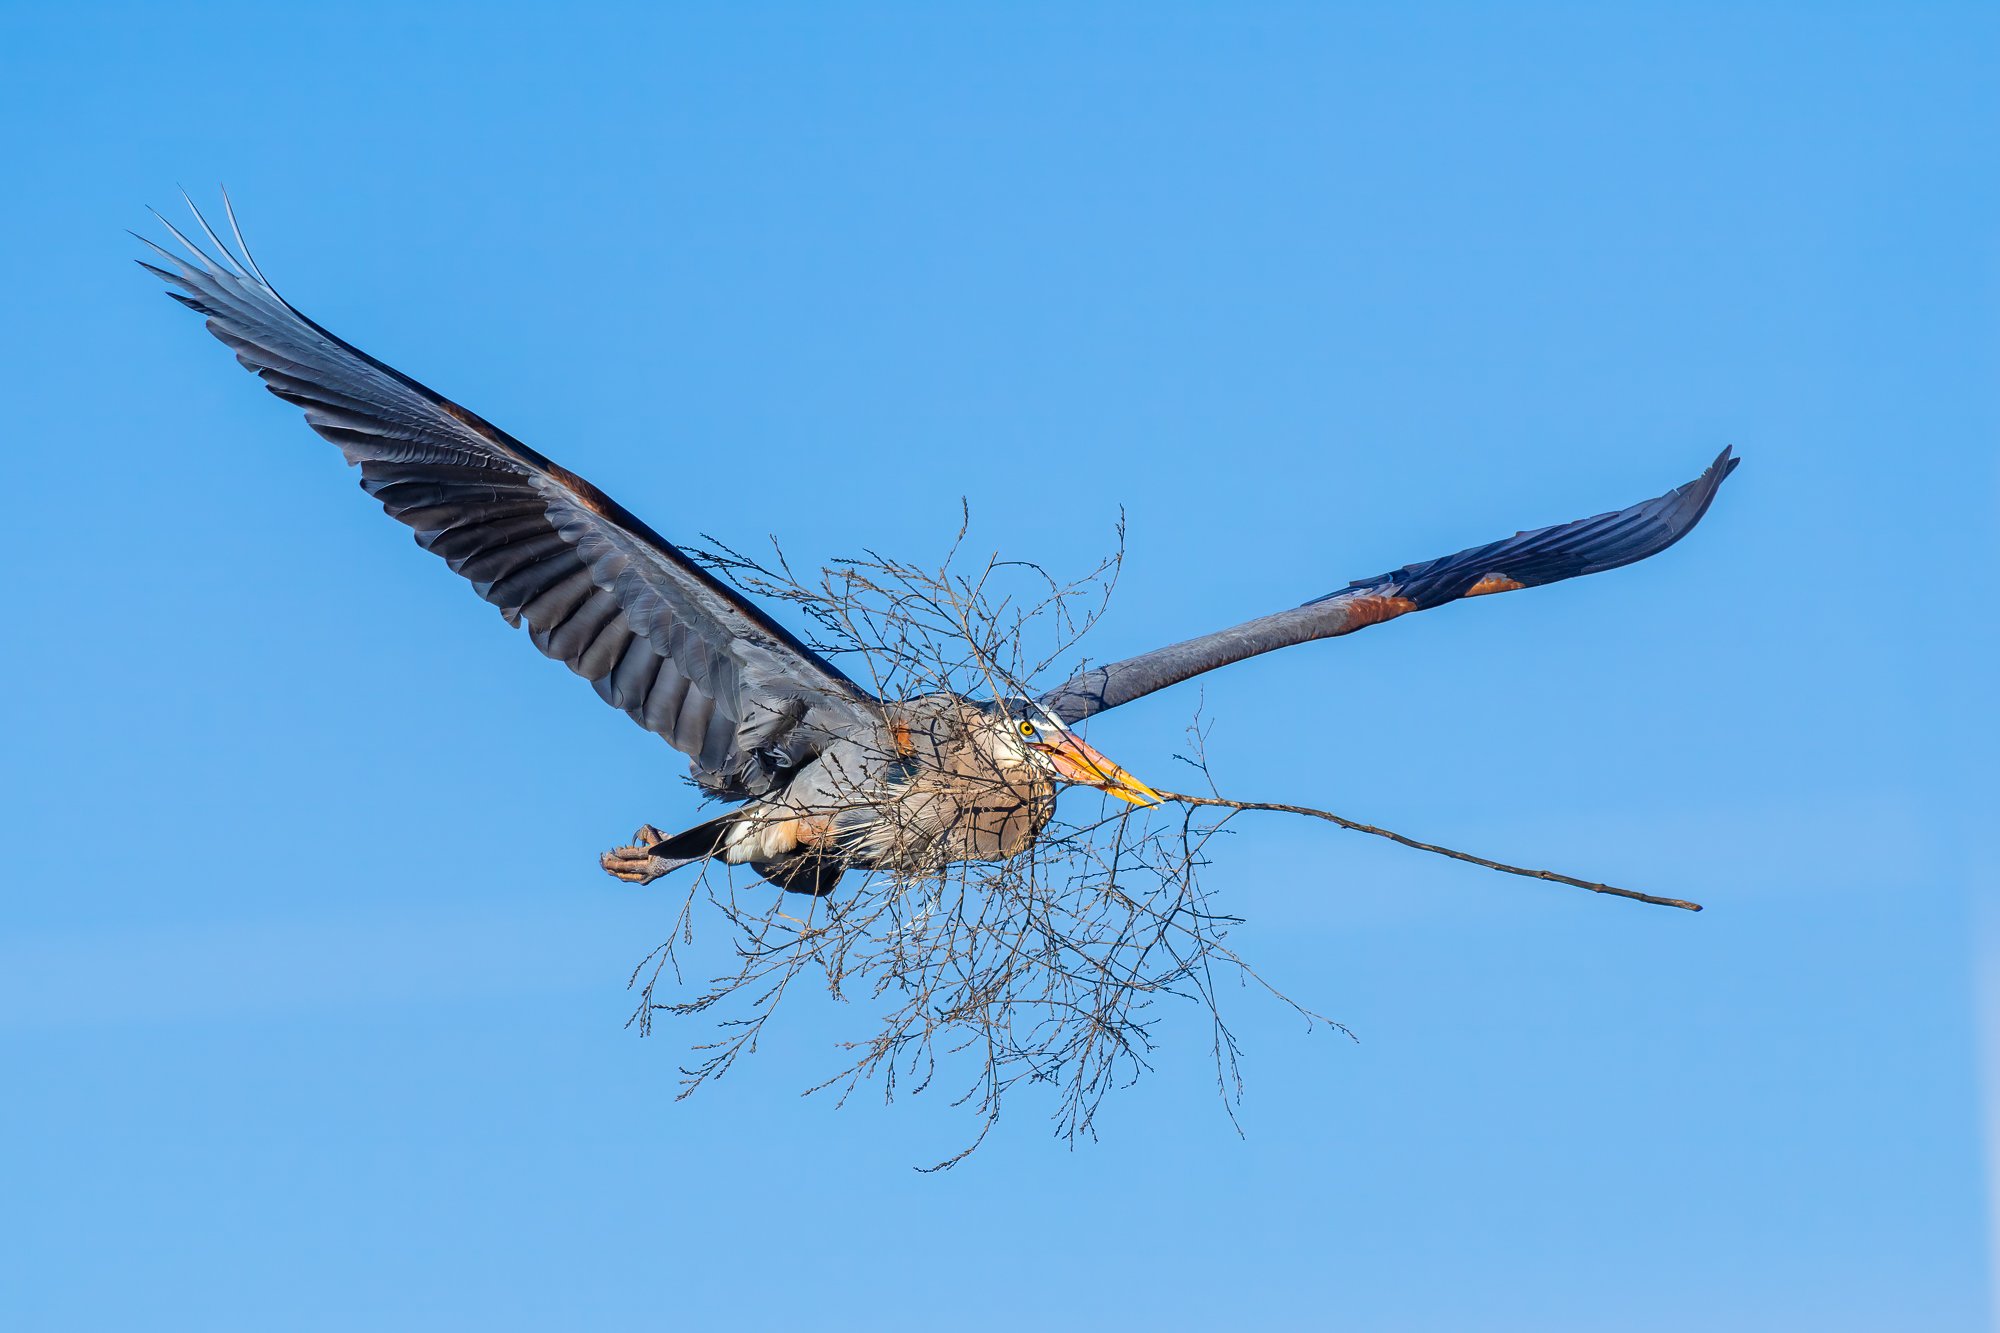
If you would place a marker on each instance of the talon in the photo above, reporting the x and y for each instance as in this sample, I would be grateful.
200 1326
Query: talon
634 865
646 835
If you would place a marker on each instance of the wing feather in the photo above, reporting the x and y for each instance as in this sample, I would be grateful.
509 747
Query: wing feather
1525 560
658 636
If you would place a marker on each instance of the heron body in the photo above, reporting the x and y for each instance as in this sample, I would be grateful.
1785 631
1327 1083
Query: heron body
823 776
947 779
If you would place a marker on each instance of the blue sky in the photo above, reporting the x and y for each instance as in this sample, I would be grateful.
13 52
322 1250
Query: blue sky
311 994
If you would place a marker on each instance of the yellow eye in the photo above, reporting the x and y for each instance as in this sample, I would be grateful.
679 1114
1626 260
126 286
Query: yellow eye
1028 729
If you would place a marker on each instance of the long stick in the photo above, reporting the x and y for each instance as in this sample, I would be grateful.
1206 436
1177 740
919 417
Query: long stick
1392 836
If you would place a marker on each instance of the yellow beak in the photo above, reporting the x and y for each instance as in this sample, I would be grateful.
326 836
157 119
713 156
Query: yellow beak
1078 763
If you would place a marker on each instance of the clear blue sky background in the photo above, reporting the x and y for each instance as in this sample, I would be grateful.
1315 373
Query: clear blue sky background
311 993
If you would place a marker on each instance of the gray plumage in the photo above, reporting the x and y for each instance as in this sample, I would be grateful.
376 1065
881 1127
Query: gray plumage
658 636
1525 560
826 776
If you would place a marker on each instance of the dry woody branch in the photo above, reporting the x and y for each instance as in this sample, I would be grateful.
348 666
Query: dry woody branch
1045 969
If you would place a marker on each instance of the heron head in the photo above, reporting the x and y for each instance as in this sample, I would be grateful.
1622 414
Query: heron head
1041 738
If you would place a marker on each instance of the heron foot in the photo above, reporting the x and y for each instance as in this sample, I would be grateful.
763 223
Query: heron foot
635 863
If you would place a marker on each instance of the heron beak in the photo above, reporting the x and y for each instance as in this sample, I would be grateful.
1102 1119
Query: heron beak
1078 763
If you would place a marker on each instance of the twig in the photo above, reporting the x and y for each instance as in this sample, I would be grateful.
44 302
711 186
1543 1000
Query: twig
1392 836
1059 970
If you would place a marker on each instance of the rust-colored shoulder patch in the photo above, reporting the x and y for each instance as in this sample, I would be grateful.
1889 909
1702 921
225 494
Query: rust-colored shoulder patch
596 501
899 734
1493 583
1374 610
463 417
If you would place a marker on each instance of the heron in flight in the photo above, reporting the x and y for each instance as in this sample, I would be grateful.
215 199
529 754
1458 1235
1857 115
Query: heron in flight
823 776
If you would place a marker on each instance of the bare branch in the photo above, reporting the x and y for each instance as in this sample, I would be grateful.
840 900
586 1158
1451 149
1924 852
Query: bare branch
1406 841
1041 971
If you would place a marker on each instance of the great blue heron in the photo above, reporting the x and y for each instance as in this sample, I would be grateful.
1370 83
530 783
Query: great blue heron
824 776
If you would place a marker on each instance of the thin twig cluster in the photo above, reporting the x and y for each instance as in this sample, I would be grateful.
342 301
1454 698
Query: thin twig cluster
1046 969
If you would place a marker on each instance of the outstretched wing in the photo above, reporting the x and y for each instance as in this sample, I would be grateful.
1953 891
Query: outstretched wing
599 591
1525 560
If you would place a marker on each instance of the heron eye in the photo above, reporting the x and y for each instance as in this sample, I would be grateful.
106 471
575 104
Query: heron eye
1028 729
